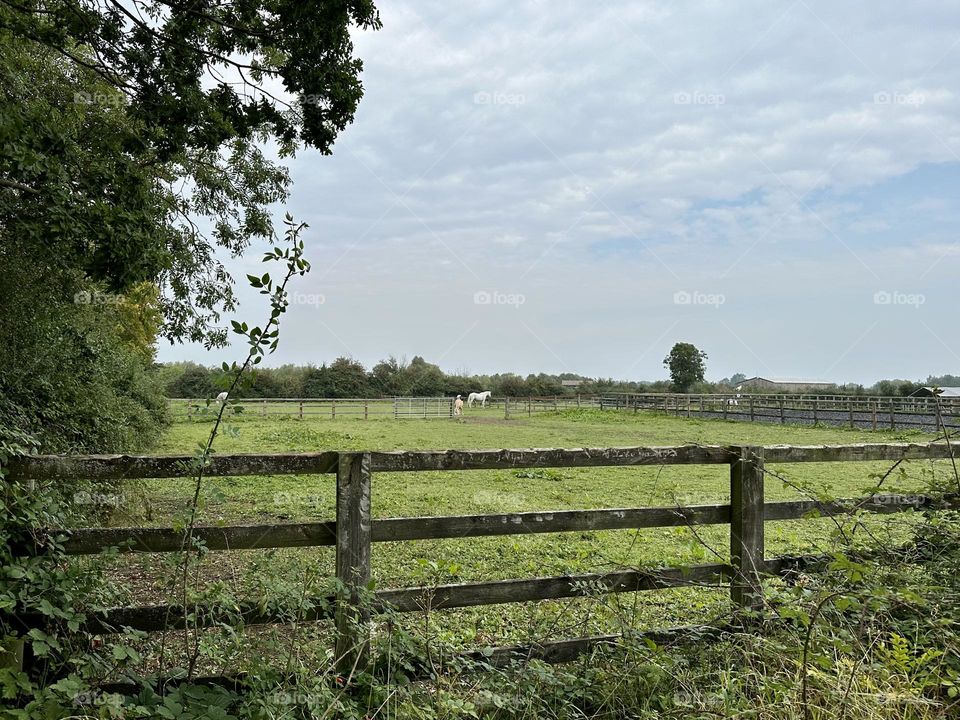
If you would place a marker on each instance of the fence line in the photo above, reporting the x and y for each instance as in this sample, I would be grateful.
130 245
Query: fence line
354 529
864 412
400 407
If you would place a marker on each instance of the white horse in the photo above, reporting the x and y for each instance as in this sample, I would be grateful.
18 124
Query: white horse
482 397
736 400
458 406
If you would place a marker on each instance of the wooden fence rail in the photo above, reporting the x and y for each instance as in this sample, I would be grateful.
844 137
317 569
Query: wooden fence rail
865 412
376 408
354 529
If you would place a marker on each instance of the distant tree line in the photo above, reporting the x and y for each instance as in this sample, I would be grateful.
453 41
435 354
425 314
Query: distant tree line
901 388
345 377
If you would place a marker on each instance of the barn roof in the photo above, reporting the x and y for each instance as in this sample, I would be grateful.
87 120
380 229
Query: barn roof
796 381
944 391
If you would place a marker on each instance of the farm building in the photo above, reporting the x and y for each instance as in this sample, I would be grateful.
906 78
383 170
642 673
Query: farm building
785 385
950 392
571 383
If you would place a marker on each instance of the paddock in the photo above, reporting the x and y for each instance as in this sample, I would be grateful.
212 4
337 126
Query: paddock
498 548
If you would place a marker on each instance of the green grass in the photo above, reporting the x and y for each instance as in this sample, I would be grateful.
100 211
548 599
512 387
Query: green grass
301 498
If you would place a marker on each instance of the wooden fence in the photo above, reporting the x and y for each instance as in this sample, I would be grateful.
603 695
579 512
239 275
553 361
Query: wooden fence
354 528
865 412
321 408
379 408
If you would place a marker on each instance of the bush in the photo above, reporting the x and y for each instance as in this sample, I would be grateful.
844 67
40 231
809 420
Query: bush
68 379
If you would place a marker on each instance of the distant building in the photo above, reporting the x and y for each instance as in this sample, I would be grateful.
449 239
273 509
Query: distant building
951 392
571 383
785 385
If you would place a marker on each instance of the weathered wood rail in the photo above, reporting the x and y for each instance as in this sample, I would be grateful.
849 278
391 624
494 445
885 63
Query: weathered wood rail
423 408
354 528
864 412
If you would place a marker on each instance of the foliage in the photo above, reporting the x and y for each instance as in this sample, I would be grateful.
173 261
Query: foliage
686 365
875 636
129 130
346 377
75 371
75 374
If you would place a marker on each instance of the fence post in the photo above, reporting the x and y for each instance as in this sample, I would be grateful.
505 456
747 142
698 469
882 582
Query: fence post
815 420
752 418
353 560
263 408
850 406
529 406
746 527
333 409
783 417
873 414
893 415
366 409
506 407
301 409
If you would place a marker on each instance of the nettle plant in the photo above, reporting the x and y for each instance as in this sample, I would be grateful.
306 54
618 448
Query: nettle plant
261 341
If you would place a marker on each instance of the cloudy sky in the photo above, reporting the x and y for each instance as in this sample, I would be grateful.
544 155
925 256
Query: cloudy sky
567 186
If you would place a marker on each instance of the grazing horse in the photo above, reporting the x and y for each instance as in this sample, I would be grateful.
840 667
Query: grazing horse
481 396
736 400
458 406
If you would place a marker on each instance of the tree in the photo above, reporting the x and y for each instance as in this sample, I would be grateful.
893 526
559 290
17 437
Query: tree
424 379
512 385
317 382
195 382
131 156
348 379
388 377
686 365
131 134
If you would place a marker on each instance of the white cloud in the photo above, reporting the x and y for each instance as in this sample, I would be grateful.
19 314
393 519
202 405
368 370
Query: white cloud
580 180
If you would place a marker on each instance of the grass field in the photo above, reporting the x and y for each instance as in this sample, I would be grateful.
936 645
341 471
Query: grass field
296 498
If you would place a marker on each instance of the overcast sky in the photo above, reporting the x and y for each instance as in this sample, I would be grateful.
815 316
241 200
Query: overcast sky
566 186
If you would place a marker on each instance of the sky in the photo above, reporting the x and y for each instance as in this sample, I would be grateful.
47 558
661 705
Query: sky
574 187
